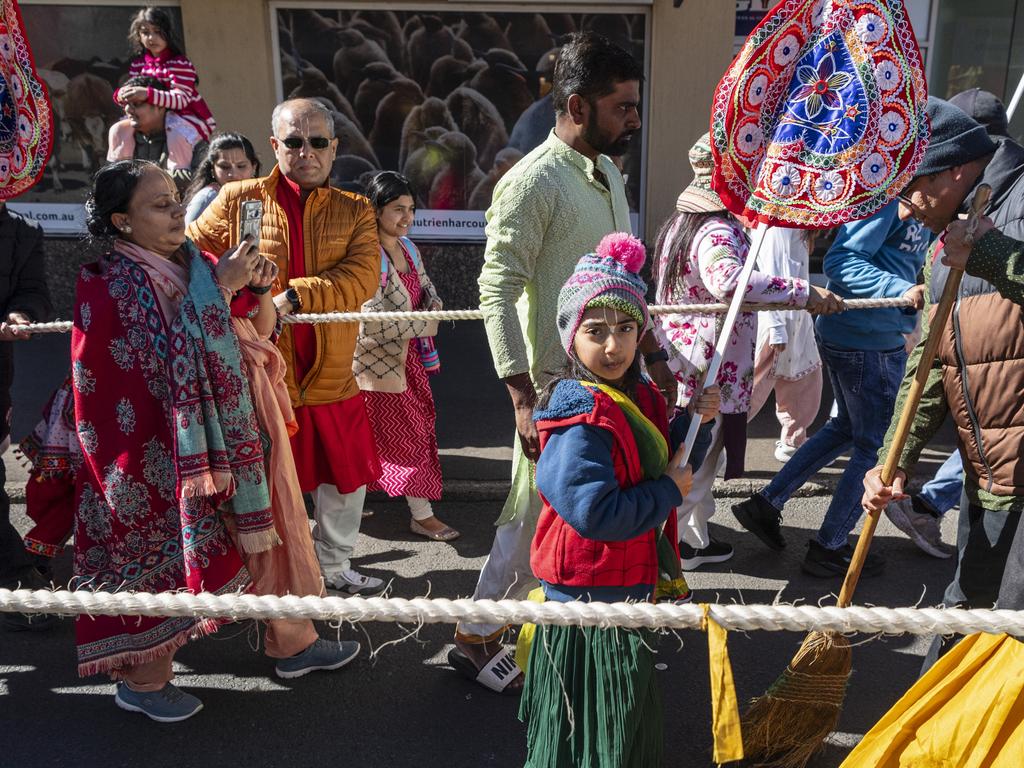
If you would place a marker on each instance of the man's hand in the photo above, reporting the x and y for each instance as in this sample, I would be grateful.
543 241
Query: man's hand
283 304
777 347
524 397
916 295
957 245
821 301
9 330
878 496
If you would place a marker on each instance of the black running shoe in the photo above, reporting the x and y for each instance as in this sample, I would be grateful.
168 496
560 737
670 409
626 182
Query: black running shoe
828 563
761 519
691 558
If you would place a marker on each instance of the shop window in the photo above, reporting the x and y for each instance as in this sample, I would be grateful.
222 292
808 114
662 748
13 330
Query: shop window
971 48
449 98
82 54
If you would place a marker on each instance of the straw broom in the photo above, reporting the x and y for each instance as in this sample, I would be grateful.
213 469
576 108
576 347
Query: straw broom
787 725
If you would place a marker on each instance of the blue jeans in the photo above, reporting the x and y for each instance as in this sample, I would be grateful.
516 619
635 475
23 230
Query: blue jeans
942 492
865 383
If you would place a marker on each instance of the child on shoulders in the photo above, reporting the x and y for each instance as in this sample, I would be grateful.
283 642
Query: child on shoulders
158 54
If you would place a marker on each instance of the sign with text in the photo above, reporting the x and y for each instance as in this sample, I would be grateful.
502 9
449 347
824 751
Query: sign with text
462 226
56 219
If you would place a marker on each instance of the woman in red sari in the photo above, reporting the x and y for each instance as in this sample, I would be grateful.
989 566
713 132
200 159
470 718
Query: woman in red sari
172 493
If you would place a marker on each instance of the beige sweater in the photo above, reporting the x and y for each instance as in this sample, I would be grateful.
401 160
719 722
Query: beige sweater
382 346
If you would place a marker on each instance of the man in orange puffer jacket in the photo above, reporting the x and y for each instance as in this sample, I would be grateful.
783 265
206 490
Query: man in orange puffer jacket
324 242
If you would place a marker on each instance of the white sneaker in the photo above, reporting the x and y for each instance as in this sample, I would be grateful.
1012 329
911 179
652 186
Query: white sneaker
922 528
783 452
354 583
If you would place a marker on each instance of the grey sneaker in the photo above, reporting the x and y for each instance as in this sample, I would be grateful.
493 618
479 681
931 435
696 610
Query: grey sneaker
354 583
922 528
168 705
322 654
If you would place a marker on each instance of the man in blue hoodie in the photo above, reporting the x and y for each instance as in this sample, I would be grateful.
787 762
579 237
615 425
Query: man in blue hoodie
865 352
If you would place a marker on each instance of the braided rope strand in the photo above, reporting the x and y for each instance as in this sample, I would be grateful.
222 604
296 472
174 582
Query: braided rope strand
64 326
791 618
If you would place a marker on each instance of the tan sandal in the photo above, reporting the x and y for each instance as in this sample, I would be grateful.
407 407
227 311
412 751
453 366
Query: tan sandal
445 534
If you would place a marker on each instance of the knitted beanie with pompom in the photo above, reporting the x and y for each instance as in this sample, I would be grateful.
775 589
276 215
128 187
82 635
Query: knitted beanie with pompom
609 278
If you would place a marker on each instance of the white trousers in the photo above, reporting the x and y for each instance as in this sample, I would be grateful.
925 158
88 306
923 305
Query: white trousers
506 573
419 508
698 506
337 517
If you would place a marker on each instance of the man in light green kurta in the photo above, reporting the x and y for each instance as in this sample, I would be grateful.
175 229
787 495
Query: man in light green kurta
550 209
546 213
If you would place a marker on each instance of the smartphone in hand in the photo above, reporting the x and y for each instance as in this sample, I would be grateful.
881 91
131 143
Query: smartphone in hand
251 216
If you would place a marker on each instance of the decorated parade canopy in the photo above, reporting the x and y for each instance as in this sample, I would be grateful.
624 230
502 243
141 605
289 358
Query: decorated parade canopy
26 122
820 119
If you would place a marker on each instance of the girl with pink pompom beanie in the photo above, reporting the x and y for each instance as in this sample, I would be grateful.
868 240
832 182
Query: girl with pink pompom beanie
608 488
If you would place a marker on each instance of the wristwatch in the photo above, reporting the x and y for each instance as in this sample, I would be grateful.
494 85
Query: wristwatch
661 356
293 296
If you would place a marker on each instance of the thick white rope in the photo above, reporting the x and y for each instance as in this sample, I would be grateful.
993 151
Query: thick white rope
792 618
64 326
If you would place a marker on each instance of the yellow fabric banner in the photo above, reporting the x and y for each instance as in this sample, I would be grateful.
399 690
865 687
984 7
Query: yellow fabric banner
966 712
725 712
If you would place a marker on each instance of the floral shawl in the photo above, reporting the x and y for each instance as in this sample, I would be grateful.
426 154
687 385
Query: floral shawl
133 530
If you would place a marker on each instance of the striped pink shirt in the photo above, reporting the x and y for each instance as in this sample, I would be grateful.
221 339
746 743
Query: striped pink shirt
178 73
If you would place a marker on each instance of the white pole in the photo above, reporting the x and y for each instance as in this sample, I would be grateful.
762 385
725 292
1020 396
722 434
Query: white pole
1017 94
723 341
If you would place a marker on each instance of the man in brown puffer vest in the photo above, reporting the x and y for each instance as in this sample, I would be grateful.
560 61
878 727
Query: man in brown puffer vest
324 243
978 375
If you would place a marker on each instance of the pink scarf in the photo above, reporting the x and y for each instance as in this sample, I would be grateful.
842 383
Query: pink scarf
170 279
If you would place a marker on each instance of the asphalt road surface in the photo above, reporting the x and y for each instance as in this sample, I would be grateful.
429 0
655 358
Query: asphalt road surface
401 706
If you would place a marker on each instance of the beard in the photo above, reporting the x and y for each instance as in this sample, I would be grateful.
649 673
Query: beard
613 146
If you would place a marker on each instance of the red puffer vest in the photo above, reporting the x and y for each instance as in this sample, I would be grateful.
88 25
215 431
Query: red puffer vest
559 554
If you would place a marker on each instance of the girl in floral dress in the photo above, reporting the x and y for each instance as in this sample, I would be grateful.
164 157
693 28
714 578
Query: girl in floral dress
392 361
700 253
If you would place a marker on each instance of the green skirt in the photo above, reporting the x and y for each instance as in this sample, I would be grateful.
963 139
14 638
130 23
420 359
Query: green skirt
590 699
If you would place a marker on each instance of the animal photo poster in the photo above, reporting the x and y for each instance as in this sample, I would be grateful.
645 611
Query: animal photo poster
451 99
81 72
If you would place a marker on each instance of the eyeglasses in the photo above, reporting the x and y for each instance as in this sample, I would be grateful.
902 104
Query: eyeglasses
316 142
905 200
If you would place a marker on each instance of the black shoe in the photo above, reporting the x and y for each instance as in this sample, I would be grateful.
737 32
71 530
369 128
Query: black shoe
31 578
761 519
691 558
25 622
828 563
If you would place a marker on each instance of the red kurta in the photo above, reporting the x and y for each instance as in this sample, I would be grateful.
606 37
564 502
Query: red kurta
334 444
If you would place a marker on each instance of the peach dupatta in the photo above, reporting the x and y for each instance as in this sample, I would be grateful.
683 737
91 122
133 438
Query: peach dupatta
292 567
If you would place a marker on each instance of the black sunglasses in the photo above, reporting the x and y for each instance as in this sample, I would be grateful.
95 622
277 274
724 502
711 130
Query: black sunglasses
316 142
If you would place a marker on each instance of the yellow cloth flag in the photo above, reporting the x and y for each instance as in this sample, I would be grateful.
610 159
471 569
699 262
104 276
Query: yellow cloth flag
725 712
966 712
527 631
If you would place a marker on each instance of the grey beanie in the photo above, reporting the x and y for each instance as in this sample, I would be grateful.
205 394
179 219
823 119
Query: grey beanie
956 139
984 107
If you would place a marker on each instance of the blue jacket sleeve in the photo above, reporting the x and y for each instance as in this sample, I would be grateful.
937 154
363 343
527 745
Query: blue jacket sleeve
850 262
576 476
677 436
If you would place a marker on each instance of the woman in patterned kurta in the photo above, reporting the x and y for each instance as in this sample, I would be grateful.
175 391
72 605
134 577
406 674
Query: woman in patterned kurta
391 364
700 255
